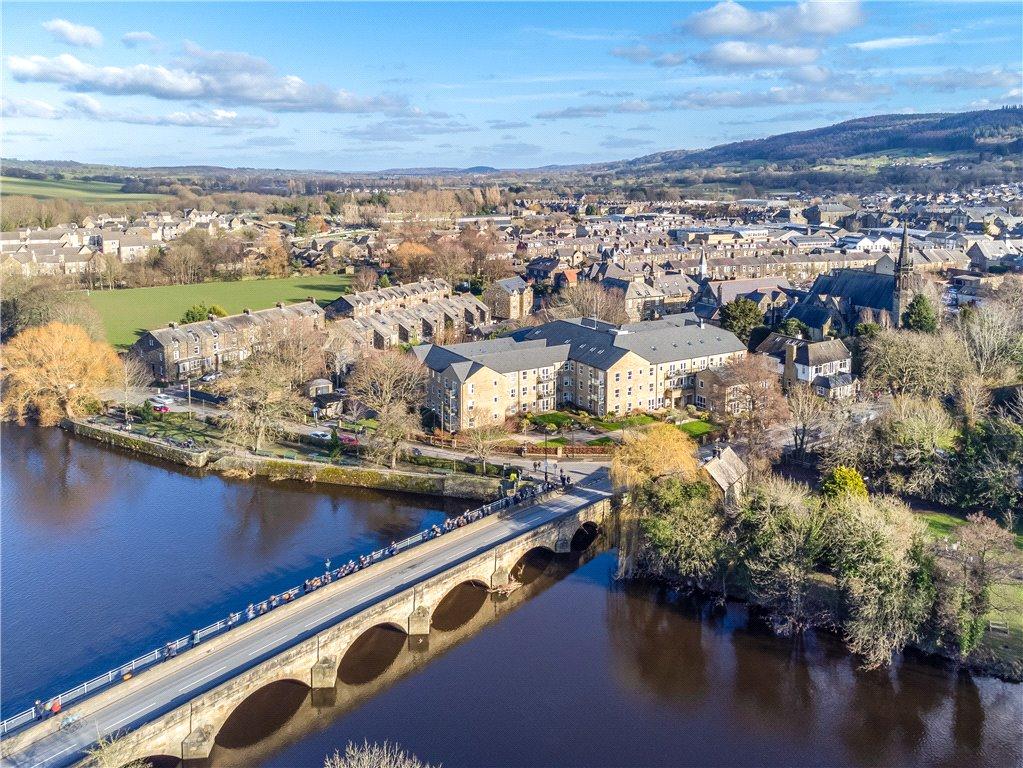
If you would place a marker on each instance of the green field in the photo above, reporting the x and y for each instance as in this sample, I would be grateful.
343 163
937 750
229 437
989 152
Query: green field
71 189
128 313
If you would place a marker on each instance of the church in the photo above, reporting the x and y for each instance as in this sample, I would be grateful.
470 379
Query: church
840 300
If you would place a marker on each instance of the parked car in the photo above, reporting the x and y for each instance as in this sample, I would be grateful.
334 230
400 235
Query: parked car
320 435
347 439
161 408
211 376
161 400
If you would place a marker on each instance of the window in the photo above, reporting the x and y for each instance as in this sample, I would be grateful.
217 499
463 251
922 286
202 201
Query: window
618 377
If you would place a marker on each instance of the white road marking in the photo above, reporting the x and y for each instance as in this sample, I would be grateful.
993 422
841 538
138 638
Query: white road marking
204 677
50 757
129 717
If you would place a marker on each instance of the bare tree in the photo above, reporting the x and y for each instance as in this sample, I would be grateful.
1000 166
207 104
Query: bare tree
134 375
753 382
114 752
261 397
387 378
482 441
588 299
365 279
993 336
810 412
339 350
373 756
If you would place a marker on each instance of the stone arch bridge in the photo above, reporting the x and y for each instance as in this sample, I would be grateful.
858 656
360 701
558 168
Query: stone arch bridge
177 708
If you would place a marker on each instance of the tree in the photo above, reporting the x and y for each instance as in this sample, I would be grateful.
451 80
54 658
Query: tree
587 299
390 383
385 281
840 481
32 302
412 261
275 261
794 327
373 756
365 279
134 375
199 312
114 752
261 397
992 334
659 450
782 538
978 555
54 371
754 384
741 317
682 530
883 575
810 413
339 350
920 315
482 441
905 362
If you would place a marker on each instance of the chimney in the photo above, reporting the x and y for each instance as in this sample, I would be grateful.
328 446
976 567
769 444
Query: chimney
173 326
280 305
699 321
310 299
211 316
246 311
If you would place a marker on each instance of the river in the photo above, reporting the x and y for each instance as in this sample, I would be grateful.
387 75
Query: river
105 555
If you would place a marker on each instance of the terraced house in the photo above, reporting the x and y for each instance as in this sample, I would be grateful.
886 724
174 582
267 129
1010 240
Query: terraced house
180 352
585 363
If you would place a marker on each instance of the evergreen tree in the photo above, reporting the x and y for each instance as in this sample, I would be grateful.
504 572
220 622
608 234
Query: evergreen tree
741 317
920 315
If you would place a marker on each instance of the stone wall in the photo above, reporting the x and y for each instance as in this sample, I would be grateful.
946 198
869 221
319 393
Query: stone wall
432 484
137 442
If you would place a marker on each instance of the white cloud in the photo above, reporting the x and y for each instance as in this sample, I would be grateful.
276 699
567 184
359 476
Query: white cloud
219 77
968 79
637 54
15 107
82 105
794 94
735 54
135 39
630 107
818 18
891 43
408 129
74 34
624 142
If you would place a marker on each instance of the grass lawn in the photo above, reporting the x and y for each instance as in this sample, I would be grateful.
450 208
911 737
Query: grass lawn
129 312
697 428
941 524
601 441
71 189
1006 611
639 420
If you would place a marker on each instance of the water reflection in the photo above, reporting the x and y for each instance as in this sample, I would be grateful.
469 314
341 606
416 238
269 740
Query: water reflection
124 552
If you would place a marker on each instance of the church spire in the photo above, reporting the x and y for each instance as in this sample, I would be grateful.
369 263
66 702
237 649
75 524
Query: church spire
905 262
703 263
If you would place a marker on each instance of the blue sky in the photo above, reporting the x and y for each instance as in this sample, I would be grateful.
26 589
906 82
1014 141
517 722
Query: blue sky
368 86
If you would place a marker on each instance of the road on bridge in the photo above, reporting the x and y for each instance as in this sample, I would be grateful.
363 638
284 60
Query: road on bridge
210 667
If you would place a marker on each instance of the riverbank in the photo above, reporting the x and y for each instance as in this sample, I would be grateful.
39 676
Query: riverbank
824 603
447 484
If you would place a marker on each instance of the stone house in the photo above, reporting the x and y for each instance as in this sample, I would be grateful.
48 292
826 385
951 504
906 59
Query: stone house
509 299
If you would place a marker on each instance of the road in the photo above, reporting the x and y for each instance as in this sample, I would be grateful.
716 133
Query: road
211 666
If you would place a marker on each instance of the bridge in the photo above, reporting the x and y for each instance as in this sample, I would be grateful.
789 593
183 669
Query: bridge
177 707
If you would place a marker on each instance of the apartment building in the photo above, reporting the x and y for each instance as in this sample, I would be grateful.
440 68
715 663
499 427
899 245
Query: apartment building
585 363
180 352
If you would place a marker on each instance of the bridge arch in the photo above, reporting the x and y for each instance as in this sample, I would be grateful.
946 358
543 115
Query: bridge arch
532 563
584 536
372 653
271 706
459 605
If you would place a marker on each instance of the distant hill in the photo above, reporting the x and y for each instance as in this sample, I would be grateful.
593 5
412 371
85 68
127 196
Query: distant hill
998 130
